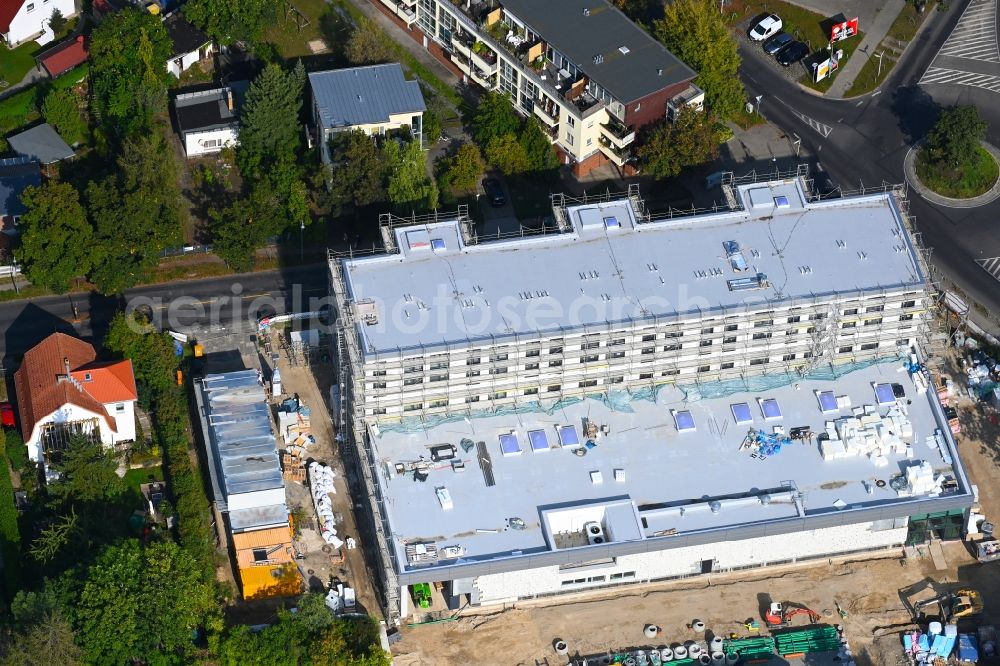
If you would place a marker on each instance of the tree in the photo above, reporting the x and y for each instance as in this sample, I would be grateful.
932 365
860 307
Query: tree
693 138
270 125
431 127
56 239
464 170
57 22
954 139
128 76
52 539
506 153
537 147
634 9
408 185
88 473
142 604
49 641
62 111
357 170
696 32
237 231
368 45
494 118
134 212
228 21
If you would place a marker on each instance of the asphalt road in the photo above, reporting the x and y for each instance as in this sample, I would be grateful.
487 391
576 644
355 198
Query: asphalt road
229 302
863 142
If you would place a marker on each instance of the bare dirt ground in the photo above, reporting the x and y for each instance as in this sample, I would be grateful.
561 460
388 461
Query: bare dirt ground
867 589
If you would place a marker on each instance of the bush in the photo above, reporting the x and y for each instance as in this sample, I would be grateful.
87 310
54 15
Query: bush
10 535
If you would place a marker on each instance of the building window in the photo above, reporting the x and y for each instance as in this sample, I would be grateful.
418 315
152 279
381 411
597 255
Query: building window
758 361
439 365
646 375
902 342
616 342
674 334
471 399
569 138
851 311
670 373
648 350
531 391
849 324
875 308
413 407
475 360
704 368
30 7
869 346
533 352
705 343
619 576
648 338
707 331
729 340
440 403
807 354
412 381
794 320
378 411
908 304
590 141
555 350
811 329
616 380
732 327
498 357
817 316
726 366
675 347
590 345
873 322
587 383
788 357
555 364
499 395
589 358
378 385
120 407
409 370
439 378
617 354
531 366
571 121
762 323
846 349
761 336
498 371
471 373
791 331
905 317
378 373
554 388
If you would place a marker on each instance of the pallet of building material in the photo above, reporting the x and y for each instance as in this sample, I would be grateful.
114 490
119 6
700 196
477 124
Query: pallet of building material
297 474
807 640
751 648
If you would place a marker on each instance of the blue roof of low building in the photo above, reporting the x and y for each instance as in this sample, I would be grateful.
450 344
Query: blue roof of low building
16 175
364 95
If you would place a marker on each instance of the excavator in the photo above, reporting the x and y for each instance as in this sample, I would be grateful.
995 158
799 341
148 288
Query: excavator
780 615
954 605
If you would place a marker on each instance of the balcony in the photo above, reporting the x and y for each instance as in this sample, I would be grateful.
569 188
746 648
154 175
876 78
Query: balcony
693 97
463 44
462 62
617 133
484 58
547 111
617 155
483 79
408 15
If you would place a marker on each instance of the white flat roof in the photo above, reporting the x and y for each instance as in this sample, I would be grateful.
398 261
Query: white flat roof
609 269
645 461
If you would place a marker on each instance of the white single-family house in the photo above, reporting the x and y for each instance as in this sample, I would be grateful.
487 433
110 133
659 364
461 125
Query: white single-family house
208 120
189 44
26 20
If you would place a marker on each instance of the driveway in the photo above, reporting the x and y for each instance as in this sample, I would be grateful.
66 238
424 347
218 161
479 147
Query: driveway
497 218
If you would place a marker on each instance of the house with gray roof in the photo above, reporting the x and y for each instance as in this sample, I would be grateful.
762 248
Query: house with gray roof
374 99
41 143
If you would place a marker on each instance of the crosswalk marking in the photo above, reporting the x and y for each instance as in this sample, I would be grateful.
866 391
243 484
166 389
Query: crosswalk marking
991 266
975 35
962 78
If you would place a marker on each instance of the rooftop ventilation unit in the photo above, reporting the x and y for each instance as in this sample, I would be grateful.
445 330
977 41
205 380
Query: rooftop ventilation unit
624 50
759 281
598 59
595 533
366 311
586 11
735 256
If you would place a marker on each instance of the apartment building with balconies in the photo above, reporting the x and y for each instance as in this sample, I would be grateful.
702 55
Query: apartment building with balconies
587 72
634 397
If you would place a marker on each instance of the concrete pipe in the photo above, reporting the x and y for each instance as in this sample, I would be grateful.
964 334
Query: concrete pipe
650 630
666 654
718 659
698 625
716 644
694 650
560 646
680 652
704 659
732 658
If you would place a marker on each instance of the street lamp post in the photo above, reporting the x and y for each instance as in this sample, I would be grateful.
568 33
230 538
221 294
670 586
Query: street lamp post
302 242
879 56
759 97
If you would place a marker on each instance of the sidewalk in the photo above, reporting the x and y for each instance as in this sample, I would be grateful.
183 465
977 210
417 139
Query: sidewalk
874 35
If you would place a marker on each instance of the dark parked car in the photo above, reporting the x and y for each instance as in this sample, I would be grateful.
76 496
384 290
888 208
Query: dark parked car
776 43
792 53
494 192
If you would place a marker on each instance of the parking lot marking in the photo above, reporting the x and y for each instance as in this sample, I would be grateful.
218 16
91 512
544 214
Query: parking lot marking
991 266
975 35
961 78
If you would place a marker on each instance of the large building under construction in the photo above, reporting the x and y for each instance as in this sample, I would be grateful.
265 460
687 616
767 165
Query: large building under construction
629 397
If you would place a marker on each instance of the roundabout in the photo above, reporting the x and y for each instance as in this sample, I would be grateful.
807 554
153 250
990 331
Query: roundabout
929 195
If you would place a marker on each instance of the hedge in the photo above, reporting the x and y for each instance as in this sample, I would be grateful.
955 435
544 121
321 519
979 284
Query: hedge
10 535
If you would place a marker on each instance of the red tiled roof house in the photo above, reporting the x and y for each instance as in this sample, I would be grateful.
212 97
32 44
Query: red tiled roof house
62 390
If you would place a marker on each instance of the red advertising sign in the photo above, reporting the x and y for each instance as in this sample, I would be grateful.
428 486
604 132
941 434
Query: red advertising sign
843 30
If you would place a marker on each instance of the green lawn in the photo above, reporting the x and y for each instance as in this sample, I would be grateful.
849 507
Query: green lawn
14 64
800 23
136 477
903 29
964 182
22 108
286 35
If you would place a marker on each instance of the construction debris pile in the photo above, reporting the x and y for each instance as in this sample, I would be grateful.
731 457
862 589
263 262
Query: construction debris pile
868 433
321 484
941 642
294 425
983 375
